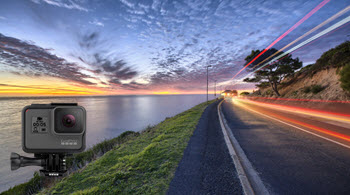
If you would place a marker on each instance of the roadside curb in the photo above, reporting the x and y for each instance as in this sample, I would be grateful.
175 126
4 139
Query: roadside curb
249 178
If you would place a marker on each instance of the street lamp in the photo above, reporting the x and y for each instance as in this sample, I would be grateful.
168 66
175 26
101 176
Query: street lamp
208 82
215 89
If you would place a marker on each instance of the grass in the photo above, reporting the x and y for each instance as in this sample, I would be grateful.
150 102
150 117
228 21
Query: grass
80 160
144 164
74 162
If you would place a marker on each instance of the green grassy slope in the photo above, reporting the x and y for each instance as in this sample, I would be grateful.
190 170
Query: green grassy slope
142 165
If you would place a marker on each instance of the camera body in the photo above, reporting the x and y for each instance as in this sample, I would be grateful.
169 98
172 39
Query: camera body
57 128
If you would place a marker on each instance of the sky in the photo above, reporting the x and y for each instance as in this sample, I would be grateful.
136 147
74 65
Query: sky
117 47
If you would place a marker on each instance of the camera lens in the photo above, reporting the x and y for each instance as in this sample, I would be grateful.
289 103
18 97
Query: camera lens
68 120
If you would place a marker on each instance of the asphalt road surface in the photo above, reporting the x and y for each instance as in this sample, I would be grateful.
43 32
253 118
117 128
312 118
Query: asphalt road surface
206 166
293 153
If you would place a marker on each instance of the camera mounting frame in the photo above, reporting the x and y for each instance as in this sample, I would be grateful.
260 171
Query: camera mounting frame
54 165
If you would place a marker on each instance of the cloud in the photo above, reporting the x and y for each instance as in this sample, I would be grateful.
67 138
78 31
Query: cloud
69 4
116 84
127 3
97 23
177 39
116 69
33 60
24 58
110 66
89 40
2 18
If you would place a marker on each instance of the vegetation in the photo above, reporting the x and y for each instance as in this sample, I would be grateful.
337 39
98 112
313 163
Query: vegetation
74 162
134 162
274 73
145 164
335 57
307 89
81 159
316 89
313 88
345 77
244 93
294 93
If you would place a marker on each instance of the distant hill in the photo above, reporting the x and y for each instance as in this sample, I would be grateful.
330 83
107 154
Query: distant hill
319 80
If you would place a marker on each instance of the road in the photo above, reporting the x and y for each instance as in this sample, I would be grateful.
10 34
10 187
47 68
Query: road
294 150
206 166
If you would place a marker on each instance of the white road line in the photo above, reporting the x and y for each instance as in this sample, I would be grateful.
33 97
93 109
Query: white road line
241 161
328 139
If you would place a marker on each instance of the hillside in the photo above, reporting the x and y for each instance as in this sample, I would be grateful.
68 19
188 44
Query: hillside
300 86
136 163
317 81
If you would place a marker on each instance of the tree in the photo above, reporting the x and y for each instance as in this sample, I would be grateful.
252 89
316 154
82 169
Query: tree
345 77
244 93
274 73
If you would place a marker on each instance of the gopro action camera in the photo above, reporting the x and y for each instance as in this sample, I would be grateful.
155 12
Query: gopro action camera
53 128
51 131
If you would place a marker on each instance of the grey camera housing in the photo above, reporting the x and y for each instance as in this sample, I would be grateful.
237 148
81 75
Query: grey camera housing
42 134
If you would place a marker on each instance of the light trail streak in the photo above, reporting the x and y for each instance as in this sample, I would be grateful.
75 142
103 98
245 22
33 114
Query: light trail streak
308 15
335 16
297 50
329 29
285 120
304 111
301 100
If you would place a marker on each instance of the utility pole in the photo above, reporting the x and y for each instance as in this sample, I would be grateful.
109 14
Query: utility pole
215 89
208 82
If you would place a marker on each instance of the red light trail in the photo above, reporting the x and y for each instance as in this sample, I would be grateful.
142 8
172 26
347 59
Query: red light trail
319 6
319 129
304 111
289 121
302 100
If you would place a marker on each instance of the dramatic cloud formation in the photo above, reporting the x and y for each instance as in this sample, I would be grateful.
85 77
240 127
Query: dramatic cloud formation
152 45
32 60
24 58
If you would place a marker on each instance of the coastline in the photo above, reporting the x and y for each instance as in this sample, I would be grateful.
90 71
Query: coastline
156 151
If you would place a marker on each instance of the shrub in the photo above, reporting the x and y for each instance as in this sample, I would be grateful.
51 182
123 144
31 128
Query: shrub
313 88
336 57
306 68
244 93
307 89
345 77
294 93
316 88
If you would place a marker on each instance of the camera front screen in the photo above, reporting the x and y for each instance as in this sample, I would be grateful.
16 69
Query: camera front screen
69 120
